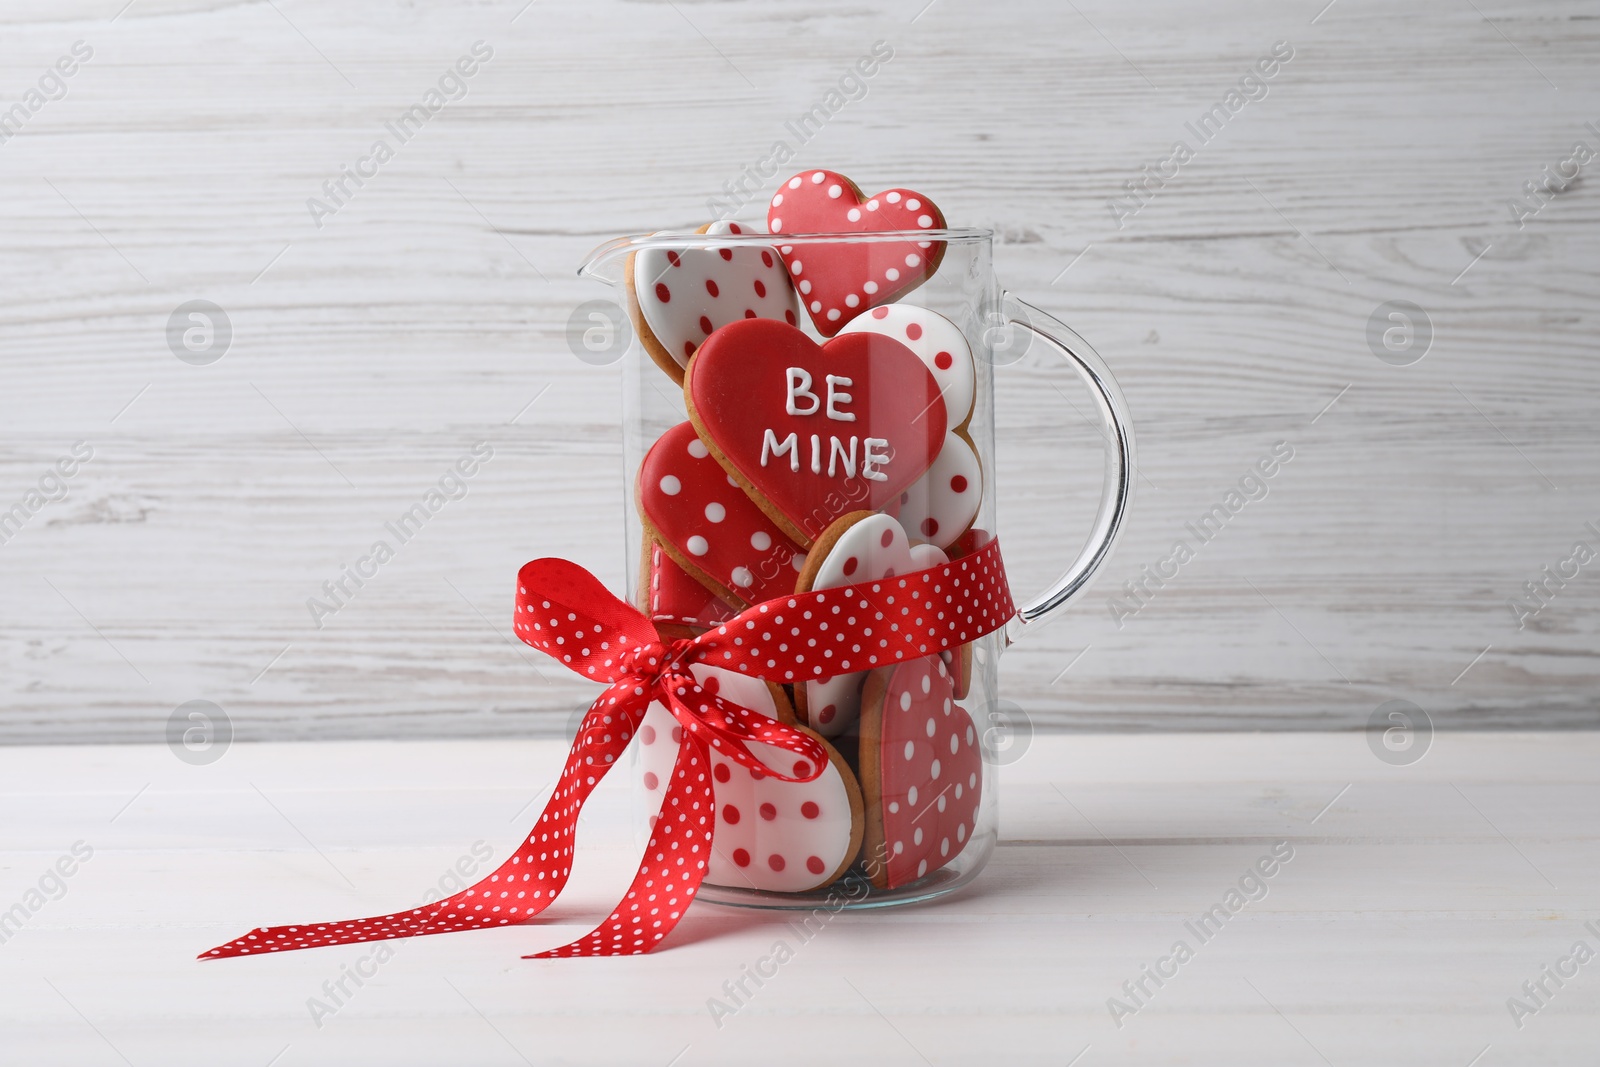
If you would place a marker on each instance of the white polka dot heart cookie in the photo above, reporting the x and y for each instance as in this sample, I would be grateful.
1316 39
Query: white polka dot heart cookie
943 503
921 772
677 297
840 280
860 548
782 837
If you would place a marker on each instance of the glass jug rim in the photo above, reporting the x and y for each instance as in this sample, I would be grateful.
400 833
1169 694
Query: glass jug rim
681 239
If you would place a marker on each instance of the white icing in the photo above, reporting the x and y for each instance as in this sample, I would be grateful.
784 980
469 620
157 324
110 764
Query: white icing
834 704
859 555
676 321
791 834
933 508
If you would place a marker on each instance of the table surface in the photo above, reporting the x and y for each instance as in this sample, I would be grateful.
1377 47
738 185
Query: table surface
370 349
1418 899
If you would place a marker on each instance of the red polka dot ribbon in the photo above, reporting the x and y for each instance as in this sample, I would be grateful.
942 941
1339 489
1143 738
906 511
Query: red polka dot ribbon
565 611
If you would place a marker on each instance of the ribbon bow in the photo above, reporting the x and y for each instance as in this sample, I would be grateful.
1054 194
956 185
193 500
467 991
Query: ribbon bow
565 611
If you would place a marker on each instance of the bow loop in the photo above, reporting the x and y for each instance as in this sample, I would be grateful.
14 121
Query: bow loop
729 728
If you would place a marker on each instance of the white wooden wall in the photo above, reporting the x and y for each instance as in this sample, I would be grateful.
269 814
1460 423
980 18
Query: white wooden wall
369 354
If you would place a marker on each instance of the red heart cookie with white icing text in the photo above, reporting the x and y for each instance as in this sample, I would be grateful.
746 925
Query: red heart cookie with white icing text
708 526
813 432
840 280
921 771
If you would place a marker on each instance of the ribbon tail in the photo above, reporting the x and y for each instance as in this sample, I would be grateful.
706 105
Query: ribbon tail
674 865
522 886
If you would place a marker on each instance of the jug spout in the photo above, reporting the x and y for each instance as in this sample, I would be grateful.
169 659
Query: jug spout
608 261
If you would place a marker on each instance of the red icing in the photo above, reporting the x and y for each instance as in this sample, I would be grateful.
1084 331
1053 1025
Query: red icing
738 388
928 829
745 553
869 273
676 597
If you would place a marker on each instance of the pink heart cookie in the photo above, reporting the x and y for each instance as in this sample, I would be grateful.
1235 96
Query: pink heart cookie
707 525
921 772
679 296
782 837
861 547
840 280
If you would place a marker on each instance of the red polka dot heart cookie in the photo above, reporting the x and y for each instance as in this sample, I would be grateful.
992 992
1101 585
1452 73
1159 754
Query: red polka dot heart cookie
921 772
840 280
709 529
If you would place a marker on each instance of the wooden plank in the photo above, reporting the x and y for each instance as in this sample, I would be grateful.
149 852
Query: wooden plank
370 353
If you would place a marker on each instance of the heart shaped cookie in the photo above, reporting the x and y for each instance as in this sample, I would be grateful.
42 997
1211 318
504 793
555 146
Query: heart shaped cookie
921 771
840 280
861 547
811 431
941 505
938 342
673 599
678 296
783 837
708 526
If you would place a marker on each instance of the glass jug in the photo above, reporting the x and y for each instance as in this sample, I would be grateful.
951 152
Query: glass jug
999 330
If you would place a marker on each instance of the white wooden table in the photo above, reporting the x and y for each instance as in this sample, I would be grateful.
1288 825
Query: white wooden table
1418 899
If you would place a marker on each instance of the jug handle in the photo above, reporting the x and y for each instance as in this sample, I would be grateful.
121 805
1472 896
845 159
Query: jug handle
1117 489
